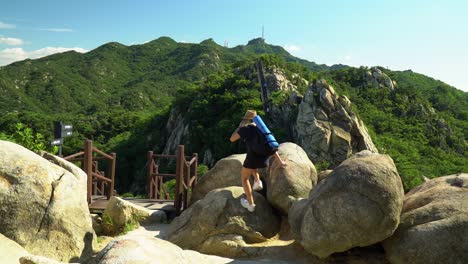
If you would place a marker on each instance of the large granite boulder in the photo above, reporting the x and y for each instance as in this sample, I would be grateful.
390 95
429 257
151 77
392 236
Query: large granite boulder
119 213
72 168
225 173
44 205
295 181
357 205
434 223
32 259
142 248
219 225
10 251
327 129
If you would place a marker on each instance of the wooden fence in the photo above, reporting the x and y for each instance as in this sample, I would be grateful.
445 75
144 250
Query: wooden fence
97 180
186 177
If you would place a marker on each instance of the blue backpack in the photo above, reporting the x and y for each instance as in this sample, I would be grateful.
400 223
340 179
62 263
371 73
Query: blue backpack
265 143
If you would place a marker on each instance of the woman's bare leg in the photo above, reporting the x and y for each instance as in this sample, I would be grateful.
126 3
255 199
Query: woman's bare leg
245 176
256 175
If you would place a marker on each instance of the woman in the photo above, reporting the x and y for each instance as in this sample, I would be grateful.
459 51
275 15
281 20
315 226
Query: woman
253 161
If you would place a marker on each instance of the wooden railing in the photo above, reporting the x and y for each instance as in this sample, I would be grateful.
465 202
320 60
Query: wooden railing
97 180
186 177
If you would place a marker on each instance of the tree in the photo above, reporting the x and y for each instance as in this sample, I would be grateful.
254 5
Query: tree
26 137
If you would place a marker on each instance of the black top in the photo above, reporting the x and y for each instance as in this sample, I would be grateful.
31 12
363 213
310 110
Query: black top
253 160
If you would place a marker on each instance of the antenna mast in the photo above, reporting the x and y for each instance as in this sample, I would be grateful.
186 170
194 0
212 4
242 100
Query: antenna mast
263 32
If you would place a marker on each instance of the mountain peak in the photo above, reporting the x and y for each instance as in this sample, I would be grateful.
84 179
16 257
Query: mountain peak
111 45
209 42
256 41
163 40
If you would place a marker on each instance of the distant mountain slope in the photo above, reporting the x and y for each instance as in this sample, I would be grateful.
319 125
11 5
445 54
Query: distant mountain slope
117 76
122 96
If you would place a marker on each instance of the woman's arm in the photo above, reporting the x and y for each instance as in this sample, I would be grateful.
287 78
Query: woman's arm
235 136
283 164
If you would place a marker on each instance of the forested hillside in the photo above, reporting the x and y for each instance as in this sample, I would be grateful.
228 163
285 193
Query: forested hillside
122 96
422 124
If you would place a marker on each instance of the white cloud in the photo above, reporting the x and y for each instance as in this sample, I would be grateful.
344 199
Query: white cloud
6 26
10 41
57 29
8 56
292 48
11 55
348 57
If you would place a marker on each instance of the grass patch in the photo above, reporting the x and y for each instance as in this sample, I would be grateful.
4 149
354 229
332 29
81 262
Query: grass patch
129 226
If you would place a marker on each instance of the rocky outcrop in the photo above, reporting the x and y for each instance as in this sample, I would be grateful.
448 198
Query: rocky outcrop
324 125
434 223
357 205
225 173
283 97
119 213
219 225
208 158
327 129
284 184
44 204
276 80
375 77
295 181
177 131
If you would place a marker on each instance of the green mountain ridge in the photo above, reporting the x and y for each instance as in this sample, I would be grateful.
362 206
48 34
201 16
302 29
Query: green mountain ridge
121 96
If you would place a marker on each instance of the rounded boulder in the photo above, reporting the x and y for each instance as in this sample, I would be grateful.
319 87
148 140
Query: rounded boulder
357 205
285 185
219 225
434 223
225 173
43 205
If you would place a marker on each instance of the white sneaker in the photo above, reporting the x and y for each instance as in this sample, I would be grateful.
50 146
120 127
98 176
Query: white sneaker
258 185
246 205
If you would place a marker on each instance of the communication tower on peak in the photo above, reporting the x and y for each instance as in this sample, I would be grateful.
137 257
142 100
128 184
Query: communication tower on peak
263 32
226 44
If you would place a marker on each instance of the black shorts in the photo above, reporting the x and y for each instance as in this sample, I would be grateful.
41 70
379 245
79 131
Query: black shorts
255 161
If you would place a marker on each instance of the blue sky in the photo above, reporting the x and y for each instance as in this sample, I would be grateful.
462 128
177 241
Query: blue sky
429 37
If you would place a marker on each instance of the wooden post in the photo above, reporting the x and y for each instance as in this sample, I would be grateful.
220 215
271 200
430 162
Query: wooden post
179 176
88 164
160 188
95 185
195 173
102 188
149 171
157 183
112 175
187 182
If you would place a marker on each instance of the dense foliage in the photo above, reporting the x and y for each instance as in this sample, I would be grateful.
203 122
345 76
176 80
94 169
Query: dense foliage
121 97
